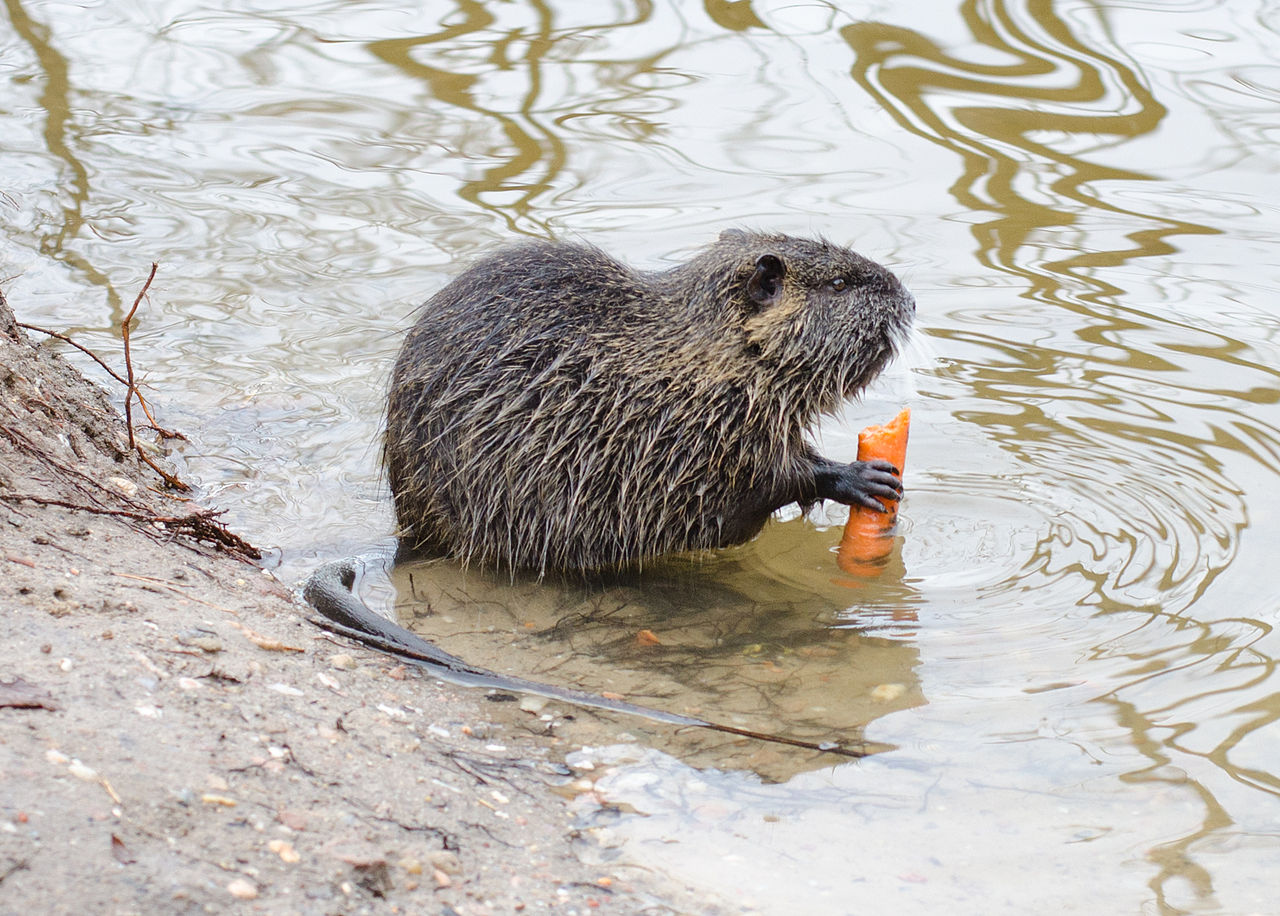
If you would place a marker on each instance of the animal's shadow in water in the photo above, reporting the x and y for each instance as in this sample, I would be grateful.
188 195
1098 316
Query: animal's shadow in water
722 638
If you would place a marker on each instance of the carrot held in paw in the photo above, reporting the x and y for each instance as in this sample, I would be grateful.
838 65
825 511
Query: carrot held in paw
868 535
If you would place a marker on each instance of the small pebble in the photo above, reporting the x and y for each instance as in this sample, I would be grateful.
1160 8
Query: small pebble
445 861
242 889
204 640
294 820
80 771
284 849
343 661
127 487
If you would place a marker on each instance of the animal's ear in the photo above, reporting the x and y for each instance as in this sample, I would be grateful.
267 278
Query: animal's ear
765 286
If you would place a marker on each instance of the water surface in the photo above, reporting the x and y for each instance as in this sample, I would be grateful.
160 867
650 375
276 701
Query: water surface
1081 195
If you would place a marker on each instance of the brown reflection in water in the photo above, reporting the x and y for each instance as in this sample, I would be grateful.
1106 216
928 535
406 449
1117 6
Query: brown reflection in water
1024 130
717 640
61 140
1224 648
992 115
536 149
534 156
734 15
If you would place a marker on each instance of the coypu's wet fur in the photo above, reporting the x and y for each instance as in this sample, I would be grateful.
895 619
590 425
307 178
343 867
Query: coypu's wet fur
554 409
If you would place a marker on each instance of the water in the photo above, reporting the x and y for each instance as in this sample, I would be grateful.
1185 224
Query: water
1082 197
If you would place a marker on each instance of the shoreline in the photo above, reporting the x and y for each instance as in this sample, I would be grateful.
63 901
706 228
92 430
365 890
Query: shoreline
176 737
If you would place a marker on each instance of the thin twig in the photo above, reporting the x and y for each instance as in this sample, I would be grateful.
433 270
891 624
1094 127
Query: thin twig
130 384
93 510
89 486
169 479
81 347
17 866
201 525
132 391
160 430
146 408
128 361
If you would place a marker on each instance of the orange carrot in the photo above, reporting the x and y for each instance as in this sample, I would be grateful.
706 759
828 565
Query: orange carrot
868 535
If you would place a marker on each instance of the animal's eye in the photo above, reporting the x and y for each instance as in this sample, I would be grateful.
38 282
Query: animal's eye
837 284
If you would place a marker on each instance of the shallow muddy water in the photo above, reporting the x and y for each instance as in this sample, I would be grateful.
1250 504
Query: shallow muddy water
1071 660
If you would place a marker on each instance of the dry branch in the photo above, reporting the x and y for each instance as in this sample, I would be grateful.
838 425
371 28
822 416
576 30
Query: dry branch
130 384
128 361
79 346
201 525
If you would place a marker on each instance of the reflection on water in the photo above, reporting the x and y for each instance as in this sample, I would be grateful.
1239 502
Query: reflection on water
54 102
1033 132
1079 194
528 155
720 638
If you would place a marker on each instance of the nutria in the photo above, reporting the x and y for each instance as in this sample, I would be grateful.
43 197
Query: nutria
554 409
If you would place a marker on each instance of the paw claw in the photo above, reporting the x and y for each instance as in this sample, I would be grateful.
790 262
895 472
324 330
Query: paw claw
861 483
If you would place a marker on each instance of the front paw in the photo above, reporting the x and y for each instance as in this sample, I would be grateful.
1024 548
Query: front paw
862 483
